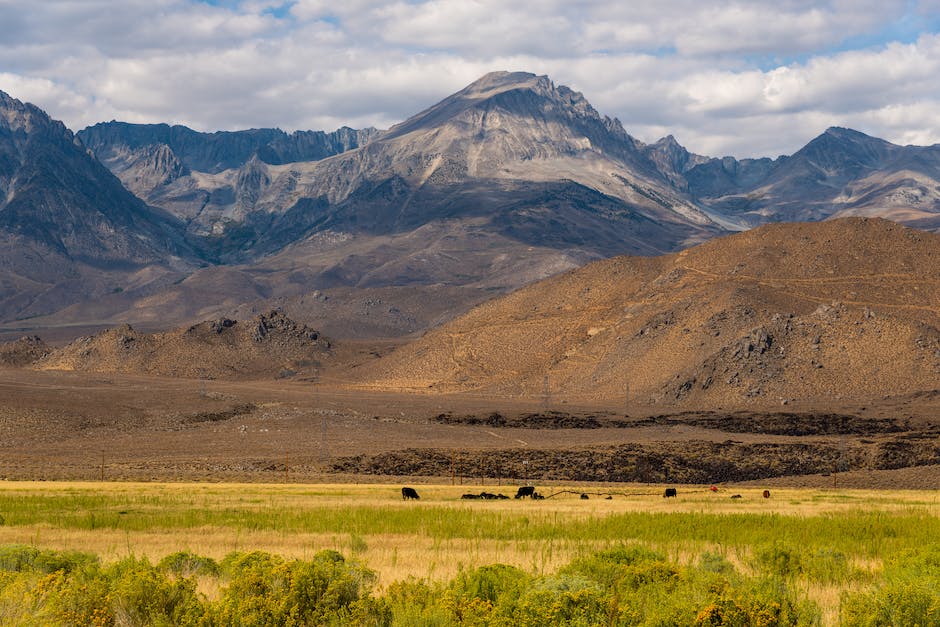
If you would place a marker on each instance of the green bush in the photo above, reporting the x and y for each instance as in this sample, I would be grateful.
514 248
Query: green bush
758 604
909 594
779 561
187 564
564 600
266 590
485 596
143 595
416 603
19 558
714 563
903 602
630 565
81 597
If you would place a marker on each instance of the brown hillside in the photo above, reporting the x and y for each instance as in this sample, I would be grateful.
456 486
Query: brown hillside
23 351
840 309
267 345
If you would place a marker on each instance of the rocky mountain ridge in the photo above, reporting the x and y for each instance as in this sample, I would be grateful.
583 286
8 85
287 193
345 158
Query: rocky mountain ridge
840 173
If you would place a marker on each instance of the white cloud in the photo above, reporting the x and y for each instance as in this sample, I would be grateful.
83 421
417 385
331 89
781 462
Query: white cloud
744 78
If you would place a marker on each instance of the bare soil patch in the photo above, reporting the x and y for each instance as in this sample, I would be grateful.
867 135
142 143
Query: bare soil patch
73 425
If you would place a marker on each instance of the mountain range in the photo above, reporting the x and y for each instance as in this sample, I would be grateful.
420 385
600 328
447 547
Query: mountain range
383 233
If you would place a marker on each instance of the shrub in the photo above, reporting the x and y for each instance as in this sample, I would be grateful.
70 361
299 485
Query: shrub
625 568
414 602
565 600
827 566
763 604
76 598
779 561
910 594
143 595
19 558
896 603
264 589
186 564
714 563
485 595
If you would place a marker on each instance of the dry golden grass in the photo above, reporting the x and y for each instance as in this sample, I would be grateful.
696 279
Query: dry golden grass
404 553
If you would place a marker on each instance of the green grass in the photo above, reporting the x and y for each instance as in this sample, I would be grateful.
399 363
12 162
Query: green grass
838 550
866 533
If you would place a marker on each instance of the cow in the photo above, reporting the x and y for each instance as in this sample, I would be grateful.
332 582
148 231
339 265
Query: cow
525 491
470 496
537 497
735 496
489 496
502 496
766 494
669 493
409 493
584 496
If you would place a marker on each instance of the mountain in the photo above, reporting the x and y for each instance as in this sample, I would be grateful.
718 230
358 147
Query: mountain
844 308
840 173
68 228
527 159
510 180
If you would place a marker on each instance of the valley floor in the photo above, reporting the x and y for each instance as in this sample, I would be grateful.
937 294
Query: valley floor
69 425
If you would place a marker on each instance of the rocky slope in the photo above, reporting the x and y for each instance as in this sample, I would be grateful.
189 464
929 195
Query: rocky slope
179 169
268 345
844 308
68 228
23 351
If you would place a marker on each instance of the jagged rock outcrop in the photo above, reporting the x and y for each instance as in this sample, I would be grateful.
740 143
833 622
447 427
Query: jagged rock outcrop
268 345
24 351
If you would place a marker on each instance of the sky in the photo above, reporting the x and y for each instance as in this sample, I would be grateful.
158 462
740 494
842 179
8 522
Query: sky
743 78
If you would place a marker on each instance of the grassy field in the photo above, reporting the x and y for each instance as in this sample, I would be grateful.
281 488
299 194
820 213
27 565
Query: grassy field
826 542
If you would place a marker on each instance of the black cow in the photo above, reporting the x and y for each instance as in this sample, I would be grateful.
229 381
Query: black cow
525 491
470 496
669 493
489 496
537 497
409 493
735 496
584 497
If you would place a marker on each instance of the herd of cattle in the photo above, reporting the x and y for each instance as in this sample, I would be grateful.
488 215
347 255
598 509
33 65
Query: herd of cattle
528 491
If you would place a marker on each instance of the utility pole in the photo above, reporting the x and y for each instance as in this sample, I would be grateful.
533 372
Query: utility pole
626 398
